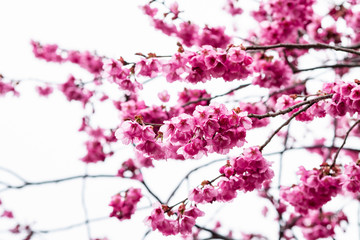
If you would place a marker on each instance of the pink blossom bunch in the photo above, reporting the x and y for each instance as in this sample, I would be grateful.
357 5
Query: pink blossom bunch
255 108
324 34
131 167
231 8
247 172
44 91
6 87
316 188
183 223
74 91
210 129
190 95
95 152
116 72
194 67
272 73
346 98
51 53
149 67
189 33
125 206
352 177
86 60
48 52
319 224
280 20
95 145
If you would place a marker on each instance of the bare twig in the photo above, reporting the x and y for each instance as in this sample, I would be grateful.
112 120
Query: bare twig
339 65
189 173
284 124
216 96
304 46
342 145
289 109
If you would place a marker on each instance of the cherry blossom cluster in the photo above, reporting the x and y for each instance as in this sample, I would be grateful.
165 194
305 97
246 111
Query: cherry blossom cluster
209 129
319 224
115 71
316 188
193 67
95 145
272 73
346 98
188 33
245 173
281 20
73 90
352 177
131 167
52 53
182 221
7 87
125 206
255 108
231 8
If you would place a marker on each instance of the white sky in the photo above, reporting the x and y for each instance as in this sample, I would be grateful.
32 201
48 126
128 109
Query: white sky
39 139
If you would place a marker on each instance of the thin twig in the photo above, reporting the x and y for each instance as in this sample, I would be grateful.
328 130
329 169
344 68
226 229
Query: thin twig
216 96
289 109
150 191
189 173
339 65
304 46
60 180
215 235
84 206
284 124
342 145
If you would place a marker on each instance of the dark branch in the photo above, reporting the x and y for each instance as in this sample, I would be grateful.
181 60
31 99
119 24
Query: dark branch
304 46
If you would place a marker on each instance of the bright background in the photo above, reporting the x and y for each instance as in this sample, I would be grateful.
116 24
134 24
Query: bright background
39 138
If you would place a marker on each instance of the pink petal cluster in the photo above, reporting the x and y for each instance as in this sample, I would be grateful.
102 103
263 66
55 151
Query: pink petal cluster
346 98
232 9
282 19
189 33
183 224
74 91
44 91
316 188
247 172
319 224
255 108
189 95
131 167
150 67
194 67
51 53
352 177
209 129
86 60
318 109
116 72
125 206
272 74
95 145
6 87
48 52
95 152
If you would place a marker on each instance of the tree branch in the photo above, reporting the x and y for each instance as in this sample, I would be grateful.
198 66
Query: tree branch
342 145
285 123
304 46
